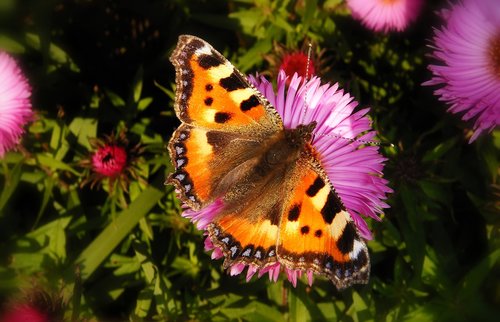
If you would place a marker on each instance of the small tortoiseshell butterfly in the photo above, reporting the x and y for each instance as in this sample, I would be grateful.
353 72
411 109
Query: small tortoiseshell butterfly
278 204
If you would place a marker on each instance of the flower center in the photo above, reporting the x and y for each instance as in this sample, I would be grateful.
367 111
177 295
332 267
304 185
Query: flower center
494 52
389 2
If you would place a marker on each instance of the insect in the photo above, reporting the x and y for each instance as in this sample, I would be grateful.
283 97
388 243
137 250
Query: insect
276 202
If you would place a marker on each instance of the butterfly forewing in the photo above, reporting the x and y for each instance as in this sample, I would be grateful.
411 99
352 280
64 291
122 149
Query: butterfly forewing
212 93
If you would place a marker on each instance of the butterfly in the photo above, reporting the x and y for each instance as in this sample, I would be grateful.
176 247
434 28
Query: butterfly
277 202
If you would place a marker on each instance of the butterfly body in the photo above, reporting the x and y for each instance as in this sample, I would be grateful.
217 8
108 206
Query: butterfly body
277 205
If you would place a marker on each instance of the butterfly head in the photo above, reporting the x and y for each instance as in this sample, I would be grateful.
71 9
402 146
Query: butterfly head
301 134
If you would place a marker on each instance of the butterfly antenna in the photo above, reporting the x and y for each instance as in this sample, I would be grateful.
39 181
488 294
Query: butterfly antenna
306 78
369 142
304 108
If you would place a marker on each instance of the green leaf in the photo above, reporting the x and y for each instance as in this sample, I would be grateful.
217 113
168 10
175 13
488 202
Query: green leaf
11 182
439 150
311 7
262 312
149 270
102 246
10 45
298 311
144 103
143 304
473 280
435 191
138 84
253 55
52 237
53 164
47 194
115 99
84 129
185 267
55 52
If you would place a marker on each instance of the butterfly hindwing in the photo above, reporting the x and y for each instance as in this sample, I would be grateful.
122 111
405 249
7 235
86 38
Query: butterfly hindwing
246 239
316 232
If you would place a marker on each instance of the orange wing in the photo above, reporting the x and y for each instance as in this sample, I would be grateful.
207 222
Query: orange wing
245 240
223 117
212 93
316 232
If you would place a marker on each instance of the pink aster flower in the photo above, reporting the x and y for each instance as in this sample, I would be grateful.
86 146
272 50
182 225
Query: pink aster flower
353 168
468 50
15 106
385 15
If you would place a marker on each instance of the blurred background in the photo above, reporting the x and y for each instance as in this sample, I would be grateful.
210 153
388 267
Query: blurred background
84 246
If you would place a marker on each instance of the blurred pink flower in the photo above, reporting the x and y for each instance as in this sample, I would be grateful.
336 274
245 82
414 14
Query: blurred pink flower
25 313
34 305
297 63
114 160
110 160
354 169
15 106
468 50
385 15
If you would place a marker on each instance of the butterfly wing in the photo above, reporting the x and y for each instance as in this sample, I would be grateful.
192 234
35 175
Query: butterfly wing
297 219
316 233
224 119
289 213
212 93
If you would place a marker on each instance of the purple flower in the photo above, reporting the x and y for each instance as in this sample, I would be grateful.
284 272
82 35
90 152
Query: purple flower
385 15
15 106
468 50
354 169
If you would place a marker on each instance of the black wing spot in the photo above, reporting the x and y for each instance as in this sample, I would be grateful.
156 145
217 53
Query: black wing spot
222 117
318 233
209 61
361 260
249 103
317 185
232 82
208 101
304 230
346 240
209 87
294 213
331 208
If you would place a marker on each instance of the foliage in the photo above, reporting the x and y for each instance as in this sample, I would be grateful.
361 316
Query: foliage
101 67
